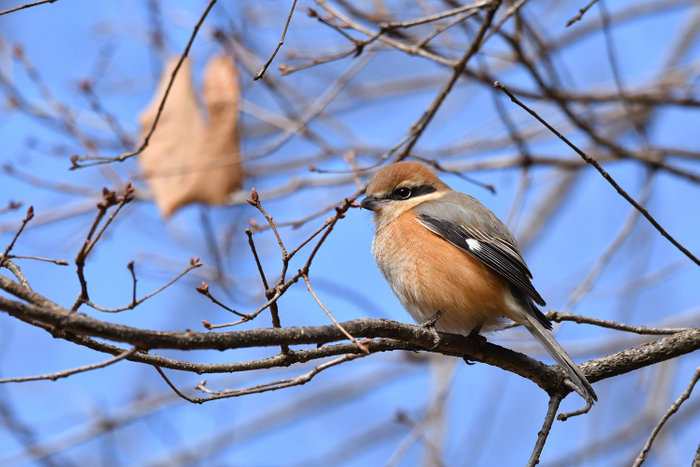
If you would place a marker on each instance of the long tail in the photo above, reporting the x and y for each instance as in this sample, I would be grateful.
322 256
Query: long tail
583 387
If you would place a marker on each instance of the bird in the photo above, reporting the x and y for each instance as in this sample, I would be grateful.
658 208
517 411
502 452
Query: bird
448 257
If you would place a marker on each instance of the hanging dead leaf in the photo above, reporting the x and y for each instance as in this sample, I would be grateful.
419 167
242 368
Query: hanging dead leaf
188 158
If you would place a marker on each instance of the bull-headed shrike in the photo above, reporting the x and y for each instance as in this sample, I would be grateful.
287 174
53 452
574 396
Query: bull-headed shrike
444 253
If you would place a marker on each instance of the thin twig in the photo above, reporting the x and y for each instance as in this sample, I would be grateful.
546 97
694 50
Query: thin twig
300 222
311 111
124 200
109 199
387 40
509 12
437 16
28 5
564 416
288 69
15 270
444 27
581 12
554 402
267 387
342 329
175 389
281 286
274 310
59 262
130 267
458 69
251 243
270 292
194 263
558 317
671 410
93 160
72 371
204 290
27 218
254 201
262 71
248 316
605 175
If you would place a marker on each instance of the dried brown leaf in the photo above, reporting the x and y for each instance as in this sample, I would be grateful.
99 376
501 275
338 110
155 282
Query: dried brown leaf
191 158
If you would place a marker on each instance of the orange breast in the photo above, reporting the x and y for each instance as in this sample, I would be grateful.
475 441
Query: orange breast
428 274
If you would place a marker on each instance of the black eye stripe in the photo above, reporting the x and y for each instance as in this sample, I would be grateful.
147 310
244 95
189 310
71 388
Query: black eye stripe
401 194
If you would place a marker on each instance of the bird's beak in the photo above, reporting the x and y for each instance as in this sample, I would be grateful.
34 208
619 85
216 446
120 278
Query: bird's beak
371 203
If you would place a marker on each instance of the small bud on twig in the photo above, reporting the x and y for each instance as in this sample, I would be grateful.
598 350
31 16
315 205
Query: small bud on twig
203 289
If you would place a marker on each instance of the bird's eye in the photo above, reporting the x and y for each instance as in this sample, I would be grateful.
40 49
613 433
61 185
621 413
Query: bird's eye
403 192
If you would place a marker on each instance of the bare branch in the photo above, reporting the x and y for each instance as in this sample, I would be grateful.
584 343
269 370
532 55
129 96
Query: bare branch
14 269
347 334
28 5
558 317
581 12
194 263
109 199
438 16
27 218
72 371
58 262
671 410
265 387
605 175
554 402
262 71
204 290
87 161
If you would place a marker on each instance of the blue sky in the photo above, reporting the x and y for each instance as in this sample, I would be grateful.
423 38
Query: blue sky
491 417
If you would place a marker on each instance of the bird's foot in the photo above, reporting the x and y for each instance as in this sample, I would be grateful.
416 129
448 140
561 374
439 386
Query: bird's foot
478 339
430 326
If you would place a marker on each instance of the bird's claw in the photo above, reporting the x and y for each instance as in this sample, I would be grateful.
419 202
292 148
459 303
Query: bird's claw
478 339
430 326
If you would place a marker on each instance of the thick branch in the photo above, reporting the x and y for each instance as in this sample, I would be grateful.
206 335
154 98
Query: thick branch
548 378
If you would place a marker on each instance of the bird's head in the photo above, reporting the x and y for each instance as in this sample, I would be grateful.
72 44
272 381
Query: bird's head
399 187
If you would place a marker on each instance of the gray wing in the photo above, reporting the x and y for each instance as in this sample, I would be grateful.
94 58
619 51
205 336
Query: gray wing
480 233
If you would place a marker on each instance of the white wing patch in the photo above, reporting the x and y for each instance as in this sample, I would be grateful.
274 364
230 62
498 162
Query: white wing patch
473 244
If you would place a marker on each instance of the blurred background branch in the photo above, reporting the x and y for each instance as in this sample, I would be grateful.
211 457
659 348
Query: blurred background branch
189 108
